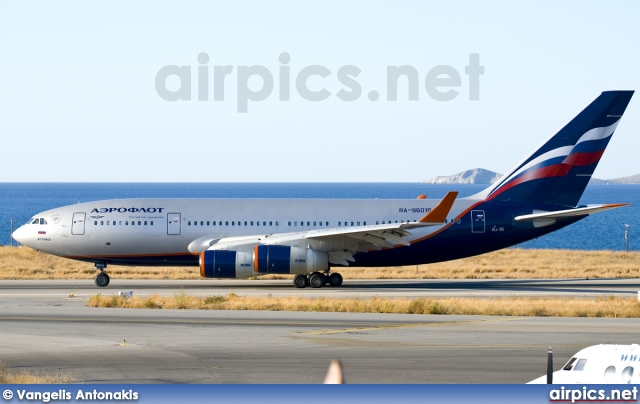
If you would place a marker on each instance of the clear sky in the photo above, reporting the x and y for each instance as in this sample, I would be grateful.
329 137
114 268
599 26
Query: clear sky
78 96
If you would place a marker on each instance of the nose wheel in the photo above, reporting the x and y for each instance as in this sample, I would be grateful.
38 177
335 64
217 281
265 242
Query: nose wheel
102 279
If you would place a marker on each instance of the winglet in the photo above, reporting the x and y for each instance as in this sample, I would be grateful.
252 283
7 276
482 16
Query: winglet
440 212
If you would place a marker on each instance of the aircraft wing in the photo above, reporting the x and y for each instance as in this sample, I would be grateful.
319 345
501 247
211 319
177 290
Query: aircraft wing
435 217
343 243
340 243
559 214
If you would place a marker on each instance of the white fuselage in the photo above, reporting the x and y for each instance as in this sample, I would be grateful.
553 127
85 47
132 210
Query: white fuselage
600 364
166 227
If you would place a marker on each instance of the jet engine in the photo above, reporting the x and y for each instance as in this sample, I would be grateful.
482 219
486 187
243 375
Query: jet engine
226 264
277 259
265 259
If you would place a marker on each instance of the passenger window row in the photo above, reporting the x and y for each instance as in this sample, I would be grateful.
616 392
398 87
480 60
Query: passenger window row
298 223
232 223
309 223
458 221
241 223
124 223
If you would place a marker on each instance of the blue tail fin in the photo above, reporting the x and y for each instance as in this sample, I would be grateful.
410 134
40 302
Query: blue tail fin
558 172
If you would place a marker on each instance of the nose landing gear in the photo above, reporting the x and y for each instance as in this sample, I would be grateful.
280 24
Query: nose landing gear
102 279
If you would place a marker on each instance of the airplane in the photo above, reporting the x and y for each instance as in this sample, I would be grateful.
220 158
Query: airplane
242 238
597 364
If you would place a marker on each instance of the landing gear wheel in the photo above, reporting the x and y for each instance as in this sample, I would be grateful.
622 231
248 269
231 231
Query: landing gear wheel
317 280
102 279
300 281
335 279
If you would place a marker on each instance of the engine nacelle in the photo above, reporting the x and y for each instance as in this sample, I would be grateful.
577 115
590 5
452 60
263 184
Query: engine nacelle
226 264
277 259
266 259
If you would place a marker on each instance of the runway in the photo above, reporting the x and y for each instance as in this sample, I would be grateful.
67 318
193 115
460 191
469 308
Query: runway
45 326
391 288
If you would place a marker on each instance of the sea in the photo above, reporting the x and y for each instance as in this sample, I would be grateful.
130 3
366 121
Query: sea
601 231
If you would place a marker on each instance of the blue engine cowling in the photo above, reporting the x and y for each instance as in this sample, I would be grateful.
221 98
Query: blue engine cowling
266 259
226 264
277 259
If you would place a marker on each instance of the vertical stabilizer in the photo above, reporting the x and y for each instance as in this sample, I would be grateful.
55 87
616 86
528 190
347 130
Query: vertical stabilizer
559 171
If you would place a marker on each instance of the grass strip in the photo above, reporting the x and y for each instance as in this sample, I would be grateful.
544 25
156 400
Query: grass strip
26 377
611 306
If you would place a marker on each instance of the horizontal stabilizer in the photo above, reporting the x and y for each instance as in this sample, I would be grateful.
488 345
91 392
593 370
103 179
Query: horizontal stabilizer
559 214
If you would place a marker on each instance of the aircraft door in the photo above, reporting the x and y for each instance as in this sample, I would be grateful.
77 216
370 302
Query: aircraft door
173 223
77 226
477 221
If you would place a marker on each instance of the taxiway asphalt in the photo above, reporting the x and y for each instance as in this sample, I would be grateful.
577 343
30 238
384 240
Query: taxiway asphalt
45 326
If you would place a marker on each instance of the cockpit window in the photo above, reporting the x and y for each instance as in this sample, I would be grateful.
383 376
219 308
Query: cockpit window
36 221
579 365
42 221
569 364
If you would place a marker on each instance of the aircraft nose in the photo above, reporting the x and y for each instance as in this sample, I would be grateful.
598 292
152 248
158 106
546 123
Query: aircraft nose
20 235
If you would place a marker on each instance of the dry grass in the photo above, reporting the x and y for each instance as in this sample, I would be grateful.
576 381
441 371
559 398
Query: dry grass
506 306
25 263
518 264
25 377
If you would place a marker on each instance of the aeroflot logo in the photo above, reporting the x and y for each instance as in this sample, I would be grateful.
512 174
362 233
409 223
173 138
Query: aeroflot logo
124 210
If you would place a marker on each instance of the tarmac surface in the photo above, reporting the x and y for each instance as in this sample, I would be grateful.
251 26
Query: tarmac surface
45 326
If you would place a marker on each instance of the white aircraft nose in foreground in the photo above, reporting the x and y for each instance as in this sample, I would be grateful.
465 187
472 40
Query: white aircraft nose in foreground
597 364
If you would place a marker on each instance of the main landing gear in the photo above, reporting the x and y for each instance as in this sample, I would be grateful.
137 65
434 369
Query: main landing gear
317 280
102 279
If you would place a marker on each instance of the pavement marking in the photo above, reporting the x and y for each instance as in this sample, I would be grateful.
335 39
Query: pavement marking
125 343
390 326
